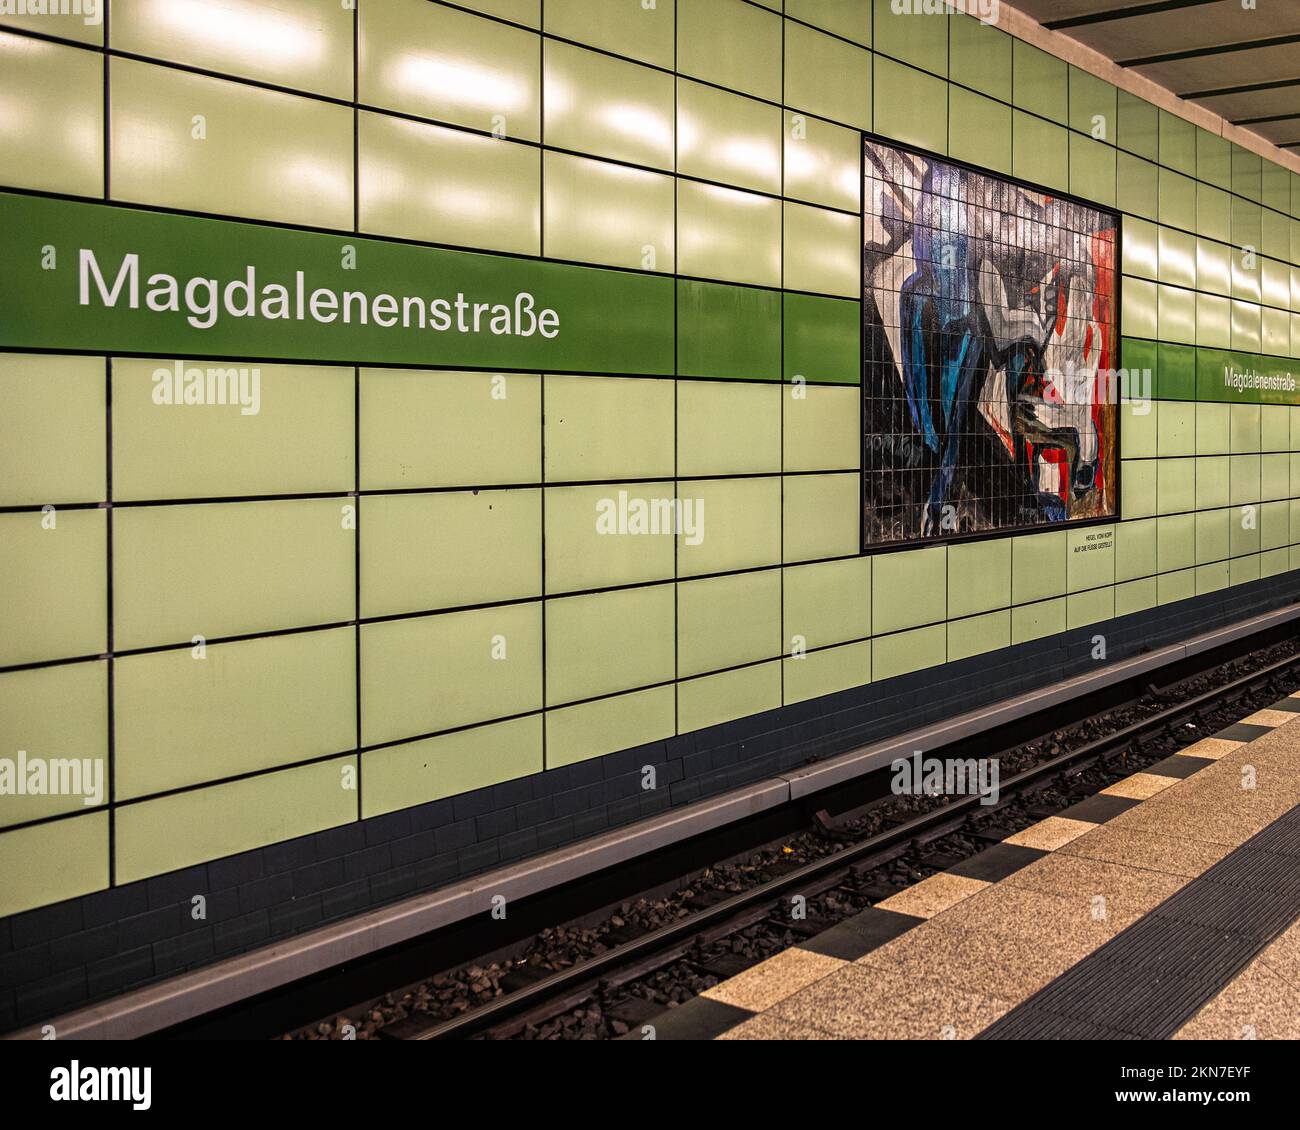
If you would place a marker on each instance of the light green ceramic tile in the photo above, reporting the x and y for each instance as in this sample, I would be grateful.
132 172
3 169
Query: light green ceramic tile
54 600
732 44
911 36
1212 429
1177 257
1274 561
1176 314
1091 607
182 140
52 429
602 643
1175 485
401 776
298 44
1138 429
904 652
1274 476
714 699
979 131
292 426
723 233
822 516
823 430
440 185
53 862
594 535
976 635
1038 565
848 18
1243 530
592 729
909 588
434 61
1136 596
1034 621
979 56
979 577
635 30
1093 106
246 706
727 428
1213 529
421 552
1275 524
1172 587
741 525
727 621
420 676
597 212
1213 321
822 251
608 428
822 162
1138 488
910 105
827 77
1090 561
1136 548
178 831
51 713
1212 578
424 428
1093 170
437 429
1040 82
250 567
824 672
54 119
1176 542
1211 482
1177 427
1213 268
826 603
727 137
1243 479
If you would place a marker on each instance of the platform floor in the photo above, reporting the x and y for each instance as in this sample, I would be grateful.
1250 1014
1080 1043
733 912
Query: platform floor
965 953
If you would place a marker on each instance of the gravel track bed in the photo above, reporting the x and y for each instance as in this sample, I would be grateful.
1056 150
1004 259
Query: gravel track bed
614 1010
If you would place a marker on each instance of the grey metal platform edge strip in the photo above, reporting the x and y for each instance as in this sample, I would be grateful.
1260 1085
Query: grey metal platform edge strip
216 986
1151 978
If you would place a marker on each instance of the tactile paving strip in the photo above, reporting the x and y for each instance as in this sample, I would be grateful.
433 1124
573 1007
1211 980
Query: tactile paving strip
1151 978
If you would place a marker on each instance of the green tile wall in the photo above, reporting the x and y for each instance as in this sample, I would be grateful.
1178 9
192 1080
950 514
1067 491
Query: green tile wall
393 577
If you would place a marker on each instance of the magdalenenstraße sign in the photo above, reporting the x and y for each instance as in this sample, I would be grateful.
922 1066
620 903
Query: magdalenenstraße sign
100 278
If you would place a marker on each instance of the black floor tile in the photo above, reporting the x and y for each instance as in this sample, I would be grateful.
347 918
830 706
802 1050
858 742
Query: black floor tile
996 863
857 936
1098 809
1181 766
1243 732
698 1019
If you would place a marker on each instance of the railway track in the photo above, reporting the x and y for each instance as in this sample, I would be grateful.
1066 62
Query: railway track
618 987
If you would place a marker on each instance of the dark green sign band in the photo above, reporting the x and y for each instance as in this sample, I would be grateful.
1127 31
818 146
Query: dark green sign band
100 278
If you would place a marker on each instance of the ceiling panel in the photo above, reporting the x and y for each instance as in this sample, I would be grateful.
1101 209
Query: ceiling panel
1210 25
1256 103
1206 49
1212 72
